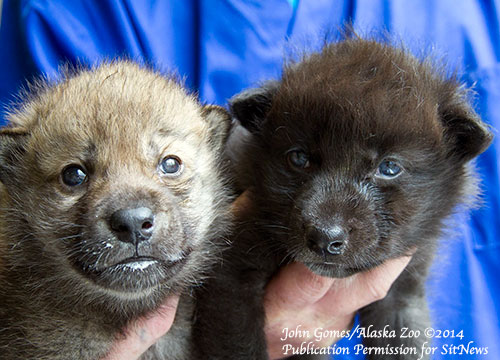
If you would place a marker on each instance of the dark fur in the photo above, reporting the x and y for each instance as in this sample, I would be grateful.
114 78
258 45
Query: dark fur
349 107
62 294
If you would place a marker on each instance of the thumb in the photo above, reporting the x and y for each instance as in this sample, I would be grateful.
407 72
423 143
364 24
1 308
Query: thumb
145 332
294 287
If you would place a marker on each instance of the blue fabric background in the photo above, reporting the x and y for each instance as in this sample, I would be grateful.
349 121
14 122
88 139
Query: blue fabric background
220 47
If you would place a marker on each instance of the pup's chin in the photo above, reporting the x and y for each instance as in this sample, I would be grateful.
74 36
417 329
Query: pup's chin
332 270
136 276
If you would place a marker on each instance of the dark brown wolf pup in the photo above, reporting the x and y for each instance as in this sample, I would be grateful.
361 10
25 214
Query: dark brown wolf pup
358 153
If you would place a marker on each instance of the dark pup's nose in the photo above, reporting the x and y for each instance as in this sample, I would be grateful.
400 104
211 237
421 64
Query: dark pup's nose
133 225
332 240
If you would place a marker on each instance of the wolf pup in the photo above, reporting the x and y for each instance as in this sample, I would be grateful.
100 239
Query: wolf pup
112 199
358 154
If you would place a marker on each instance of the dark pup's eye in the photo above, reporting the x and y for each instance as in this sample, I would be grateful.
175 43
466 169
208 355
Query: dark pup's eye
298 159
171 165
388 169
73 175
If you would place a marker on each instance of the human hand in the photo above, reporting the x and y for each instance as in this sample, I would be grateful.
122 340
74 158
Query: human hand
298 297
144 332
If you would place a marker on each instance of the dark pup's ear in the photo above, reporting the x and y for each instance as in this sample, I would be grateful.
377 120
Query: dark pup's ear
12 147
470 136
251 106
219 122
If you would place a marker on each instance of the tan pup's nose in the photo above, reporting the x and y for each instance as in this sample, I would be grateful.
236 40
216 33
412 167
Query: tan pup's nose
133 225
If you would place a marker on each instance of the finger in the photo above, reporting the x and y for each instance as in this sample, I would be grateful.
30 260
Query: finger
242 206
375 284
294 288
362 289
332 331
145 332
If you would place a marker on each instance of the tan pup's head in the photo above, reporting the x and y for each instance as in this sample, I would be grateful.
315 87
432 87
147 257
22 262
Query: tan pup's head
112 183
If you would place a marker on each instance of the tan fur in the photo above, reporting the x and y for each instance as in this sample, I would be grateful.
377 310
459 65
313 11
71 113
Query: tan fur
118 121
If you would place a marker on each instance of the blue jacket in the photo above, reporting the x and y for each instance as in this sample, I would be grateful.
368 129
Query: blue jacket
221 47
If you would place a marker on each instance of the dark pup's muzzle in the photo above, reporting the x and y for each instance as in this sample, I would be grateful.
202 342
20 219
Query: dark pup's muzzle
326 240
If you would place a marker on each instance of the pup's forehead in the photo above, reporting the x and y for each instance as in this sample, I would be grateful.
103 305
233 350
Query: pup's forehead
121 93
366 119
114 110
115 100
360 92
110 93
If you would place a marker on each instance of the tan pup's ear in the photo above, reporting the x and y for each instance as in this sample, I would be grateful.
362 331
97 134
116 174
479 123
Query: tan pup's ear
219 122
12 147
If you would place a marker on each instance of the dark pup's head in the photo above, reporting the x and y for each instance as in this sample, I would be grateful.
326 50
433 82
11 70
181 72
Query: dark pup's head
112 185
359 152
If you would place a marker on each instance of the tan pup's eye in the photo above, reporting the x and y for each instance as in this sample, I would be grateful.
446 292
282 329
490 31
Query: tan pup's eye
73 175
171 165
